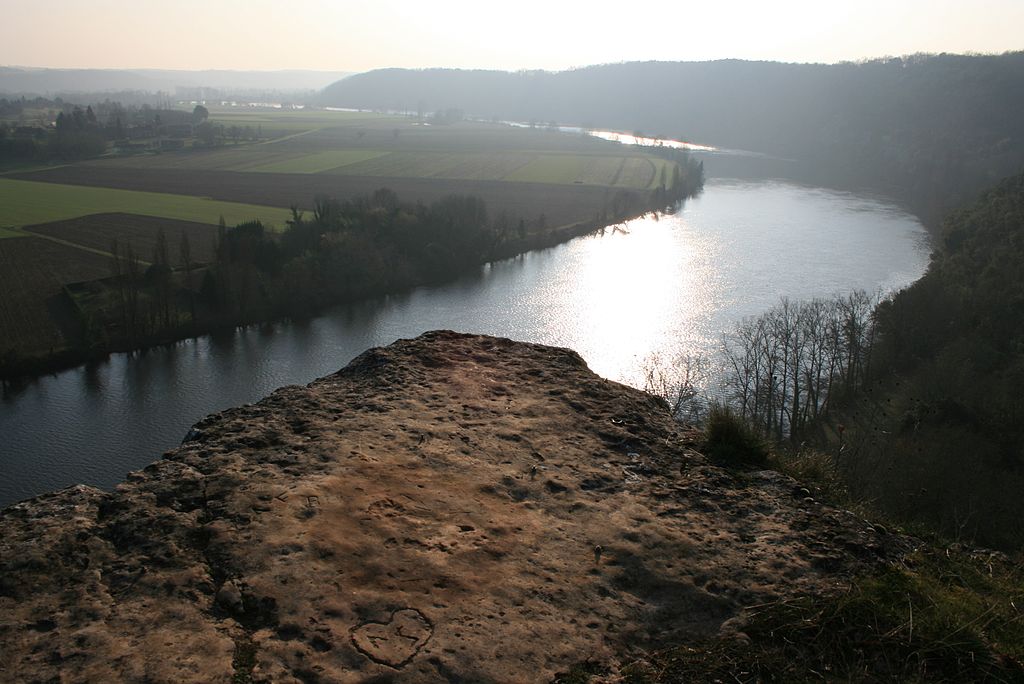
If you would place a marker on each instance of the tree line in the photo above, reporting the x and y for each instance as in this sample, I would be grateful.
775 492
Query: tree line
341 251
938 433
46 130
786 368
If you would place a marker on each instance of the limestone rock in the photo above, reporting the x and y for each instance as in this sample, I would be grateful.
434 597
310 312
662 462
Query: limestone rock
452 507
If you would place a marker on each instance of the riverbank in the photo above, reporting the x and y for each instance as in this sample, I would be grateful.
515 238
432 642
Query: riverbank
16 369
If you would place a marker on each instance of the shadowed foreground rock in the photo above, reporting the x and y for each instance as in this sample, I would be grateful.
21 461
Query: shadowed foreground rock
453 508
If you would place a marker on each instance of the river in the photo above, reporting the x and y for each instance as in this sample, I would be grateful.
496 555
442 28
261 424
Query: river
653 288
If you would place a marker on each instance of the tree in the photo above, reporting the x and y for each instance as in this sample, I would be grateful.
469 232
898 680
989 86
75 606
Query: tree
186 261
681 384
200 114
207 133
162 278
130 268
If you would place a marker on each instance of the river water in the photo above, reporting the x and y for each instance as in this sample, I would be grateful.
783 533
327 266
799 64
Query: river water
653 288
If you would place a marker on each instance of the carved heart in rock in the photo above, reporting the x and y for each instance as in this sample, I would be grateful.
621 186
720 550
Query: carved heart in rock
395 642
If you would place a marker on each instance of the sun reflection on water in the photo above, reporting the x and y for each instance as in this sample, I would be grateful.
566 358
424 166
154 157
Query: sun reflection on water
636 288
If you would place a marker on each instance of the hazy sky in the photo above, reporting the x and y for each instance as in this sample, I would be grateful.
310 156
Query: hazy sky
521 34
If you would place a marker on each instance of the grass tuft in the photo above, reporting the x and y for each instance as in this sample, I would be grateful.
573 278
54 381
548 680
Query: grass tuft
940 616
730 442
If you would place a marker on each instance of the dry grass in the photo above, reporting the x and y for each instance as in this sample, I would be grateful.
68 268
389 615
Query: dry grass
941 616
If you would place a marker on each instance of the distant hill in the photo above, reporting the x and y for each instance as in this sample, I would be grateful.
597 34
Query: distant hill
32 81
932 130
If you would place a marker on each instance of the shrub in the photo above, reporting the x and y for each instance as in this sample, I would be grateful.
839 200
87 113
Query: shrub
731 442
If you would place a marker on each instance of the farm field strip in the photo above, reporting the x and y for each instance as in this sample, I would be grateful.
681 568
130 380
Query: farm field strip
526 166
25 202
659 166
32 271
221 159
601 171
562 204
96 233
468 166
291 122
638 173
25 322
289 136
316 162
626 172
289 117
396 148
74 245
10 233
549 168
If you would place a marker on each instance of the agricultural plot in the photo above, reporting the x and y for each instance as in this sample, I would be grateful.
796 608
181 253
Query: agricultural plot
228 158
569 169
661 173
32 271
277 122
399 148
549 169
317 162
520 172
561 204
25 202
98 232
464 137
635 172
9 233
467 166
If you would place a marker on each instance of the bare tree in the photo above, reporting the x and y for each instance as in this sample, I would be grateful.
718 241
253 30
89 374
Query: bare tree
783 367
681 384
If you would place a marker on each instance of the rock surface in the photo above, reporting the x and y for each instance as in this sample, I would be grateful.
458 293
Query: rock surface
449 508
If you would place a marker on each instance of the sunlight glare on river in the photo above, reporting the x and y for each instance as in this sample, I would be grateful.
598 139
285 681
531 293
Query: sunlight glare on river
628 289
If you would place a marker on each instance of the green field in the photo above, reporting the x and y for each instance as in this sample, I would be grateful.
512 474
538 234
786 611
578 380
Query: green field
25 203
626 171
244 157
280 122
9 233
316 162
658 165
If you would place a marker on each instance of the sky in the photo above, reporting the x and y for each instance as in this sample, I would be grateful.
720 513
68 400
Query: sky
347 35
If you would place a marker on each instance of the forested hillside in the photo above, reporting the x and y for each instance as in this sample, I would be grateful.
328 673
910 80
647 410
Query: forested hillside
930 130
939 434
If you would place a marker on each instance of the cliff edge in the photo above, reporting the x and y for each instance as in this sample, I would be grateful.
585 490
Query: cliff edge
453 507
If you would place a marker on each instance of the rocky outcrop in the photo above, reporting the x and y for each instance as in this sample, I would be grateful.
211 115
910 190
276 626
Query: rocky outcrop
449 508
